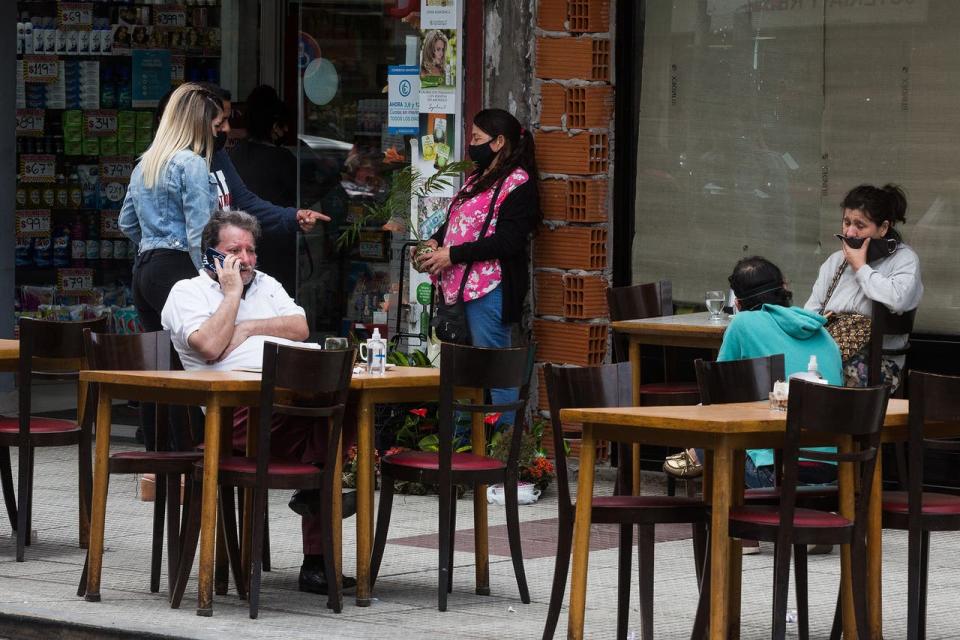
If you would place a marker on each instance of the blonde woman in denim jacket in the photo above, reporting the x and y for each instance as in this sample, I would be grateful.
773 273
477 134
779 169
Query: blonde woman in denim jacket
170 199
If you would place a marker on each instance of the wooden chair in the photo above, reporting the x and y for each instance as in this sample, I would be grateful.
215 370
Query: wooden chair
825 410
49 350
296 381
884 323
650 300
143 352
463 367
610 386
933 398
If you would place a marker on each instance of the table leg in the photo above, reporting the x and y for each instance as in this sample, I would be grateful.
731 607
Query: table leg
720 541
875 554
736 551
845 480
221 572
635 447
581 535
478 441
98 507
208 514
365 482
336 514
84 525
253 431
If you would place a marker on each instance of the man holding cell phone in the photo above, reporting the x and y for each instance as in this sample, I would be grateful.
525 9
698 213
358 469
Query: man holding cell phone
219 321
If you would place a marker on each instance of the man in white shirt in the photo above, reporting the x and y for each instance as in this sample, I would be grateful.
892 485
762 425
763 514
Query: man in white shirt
219 321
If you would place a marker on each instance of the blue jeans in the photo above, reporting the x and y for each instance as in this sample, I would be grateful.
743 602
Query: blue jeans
487 330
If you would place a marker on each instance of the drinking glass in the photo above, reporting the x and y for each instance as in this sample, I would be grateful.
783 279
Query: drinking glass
333 342
715 300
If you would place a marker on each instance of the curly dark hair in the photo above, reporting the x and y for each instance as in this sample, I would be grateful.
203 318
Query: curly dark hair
756 281
885 204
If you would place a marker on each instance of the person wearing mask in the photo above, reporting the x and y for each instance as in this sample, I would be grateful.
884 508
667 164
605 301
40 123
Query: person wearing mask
495 285
883 270
275 221
270 170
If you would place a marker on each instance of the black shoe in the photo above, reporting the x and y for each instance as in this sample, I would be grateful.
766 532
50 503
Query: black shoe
315 581
306 502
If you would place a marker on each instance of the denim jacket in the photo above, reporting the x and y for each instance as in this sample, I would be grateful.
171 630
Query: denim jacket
173 213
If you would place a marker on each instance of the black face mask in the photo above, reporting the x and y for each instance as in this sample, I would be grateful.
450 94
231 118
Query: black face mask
482 155
219 141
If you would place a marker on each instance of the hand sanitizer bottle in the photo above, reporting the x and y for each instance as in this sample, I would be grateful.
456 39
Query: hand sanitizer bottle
812 374
376 354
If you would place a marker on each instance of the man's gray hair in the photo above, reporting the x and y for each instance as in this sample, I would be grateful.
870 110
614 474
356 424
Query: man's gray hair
220 219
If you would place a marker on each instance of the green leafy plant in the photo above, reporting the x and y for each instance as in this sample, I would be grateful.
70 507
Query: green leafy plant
533 464
403 185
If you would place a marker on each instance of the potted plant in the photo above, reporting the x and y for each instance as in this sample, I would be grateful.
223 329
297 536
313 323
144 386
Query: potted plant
395 206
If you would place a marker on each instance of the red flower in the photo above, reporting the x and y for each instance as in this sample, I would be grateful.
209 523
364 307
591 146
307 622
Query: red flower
419 412
491 418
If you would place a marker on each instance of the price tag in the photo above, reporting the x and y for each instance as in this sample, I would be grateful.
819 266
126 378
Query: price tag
116 168
41 69
74 280
100 123
109 225
30 122
38 168
33 223
177 67
169 16
75 15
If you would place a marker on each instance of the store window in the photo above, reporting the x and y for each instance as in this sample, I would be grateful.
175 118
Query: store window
757 117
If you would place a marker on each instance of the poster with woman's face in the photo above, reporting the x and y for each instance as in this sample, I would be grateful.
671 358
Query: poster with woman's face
438 58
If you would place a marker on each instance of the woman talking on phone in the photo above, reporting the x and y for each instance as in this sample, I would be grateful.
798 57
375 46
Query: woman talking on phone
170 199
873 265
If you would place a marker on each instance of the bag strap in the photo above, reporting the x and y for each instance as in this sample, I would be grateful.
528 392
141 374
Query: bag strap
833 285
483 232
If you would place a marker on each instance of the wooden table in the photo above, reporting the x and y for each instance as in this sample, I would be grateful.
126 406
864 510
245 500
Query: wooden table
682 330
217 391
9 354
727 430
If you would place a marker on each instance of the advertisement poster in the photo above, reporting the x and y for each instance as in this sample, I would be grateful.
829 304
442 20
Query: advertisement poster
438 14
437 141
431 213
438 58
151 76
403 99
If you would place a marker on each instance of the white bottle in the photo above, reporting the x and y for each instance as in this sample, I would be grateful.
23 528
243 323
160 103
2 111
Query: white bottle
812 374
376 354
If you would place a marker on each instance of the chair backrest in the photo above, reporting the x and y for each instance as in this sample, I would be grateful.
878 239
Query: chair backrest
885 323
301 381
639 301
482 368
933 398
51 350
636 302
738 380
841 411
604 386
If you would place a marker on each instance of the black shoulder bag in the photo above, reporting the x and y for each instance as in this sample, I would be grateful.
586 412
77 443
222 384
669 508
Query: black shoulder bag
450 320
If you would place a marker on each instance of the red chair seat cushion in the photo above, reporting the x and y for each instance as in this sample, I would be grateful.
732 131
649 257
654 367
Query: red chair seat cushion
157 455
942 504
39 425
670 387
275 467
802 518
634 502
803 491
430 460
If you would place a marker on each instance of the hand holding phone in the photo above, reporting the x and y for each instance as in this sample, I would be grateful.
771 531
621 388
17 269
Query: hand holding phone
211 258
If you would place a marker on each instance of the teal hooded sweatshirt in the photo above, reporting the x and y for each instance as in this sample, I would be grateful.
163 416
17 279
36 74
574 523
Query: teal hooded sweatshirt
792 331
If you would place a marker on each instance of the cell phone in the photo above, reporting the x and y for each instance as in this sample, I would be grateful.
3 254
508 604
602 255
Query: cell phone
853 243
210 257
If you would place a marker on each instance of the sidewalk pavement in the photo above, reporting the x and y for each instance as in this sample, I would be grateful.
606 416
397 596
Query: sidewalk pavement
44 587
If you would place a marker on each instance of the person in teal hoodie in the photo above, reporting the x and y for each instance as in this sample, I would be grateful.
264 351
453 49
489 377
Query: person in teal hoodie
765 325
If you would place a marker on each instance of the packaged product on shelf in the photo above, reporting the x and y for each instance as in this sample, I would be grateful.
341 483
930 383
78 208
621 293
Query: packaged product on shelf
78 243
93 237
31 297
23 252
88 185
63 193
91 146
42 252
126 320
61 246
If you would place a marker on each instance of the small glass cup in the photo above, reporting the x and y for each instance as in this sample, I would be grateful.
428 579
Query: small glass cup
715 301
776 403
334 342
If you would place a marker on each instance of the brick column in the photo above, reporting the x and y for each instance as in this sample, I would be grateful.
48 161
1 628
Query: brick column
573 132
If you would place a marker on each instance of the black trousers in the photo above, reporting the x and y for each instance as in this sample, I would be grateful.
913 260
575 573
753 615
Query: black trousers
154 274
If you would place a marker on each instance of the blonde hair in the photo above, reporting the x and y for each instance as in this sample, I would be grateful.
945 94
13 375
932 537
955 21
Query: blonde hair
426 54
186 124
